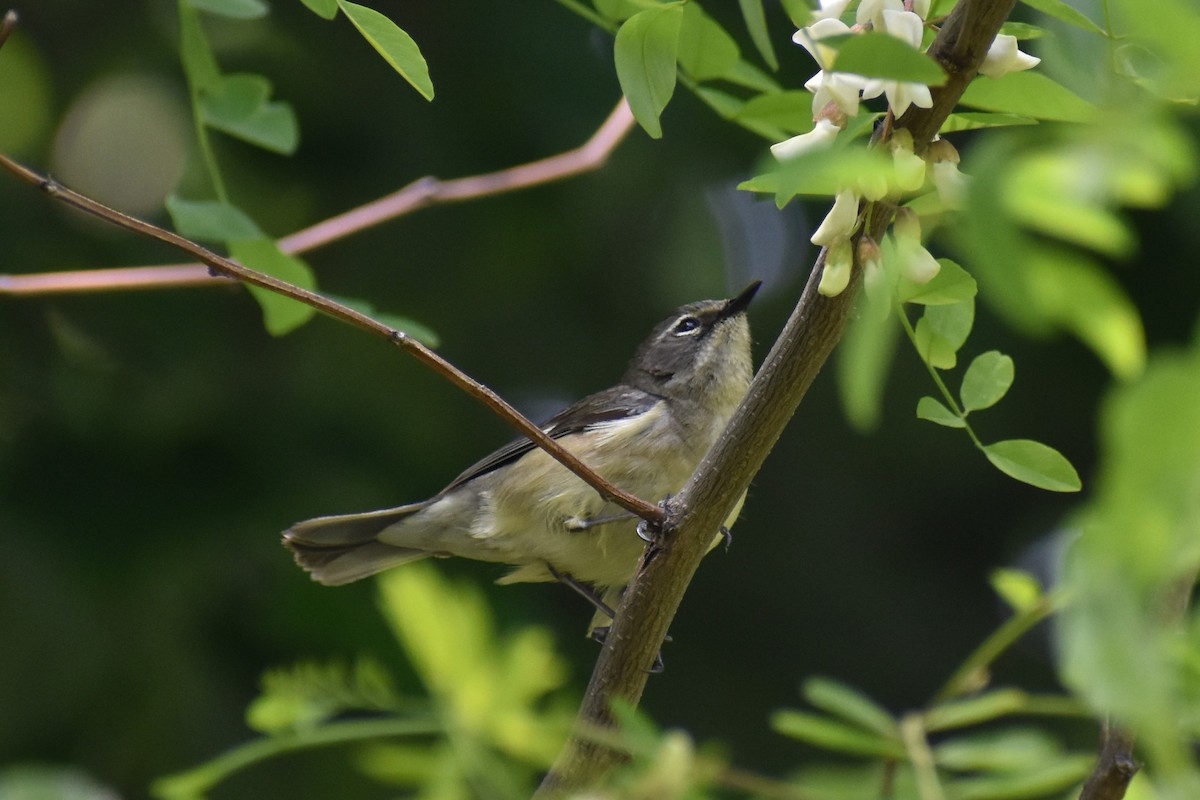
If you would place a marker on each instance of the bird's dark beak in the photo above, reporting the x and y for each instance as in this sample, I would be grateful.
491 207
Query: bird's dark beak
738 304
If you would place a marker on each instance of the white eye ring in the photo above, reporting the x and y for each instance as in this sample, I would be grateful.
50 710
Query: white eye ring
686 326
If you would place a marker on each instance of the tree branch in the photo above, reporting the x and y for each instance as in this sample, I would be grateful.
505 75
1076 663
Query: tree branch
808 338
421 193
232 269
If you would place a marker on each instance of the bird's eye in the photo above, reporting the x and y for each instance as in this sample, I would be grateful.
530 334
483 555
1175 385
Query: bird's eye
686 325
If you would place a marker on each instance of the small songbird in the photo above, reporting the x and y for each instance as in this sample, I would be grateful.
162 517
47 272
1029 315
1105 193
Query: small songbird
520 507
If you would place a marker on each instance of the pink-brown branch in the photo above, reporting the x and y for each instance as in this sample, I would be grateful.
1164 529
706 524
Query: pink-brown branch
421 193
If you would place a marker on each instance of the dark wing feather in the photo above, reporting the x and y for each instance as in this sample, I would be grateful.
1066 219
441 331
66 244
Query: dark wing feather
619 402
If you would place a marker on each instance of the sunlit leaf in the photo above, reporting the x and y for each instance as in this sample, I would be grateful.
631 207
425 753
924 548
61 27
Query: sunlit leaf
942 330
933 410
986 381
210 220
881 55
1028 94
1010 750
1022 30
281 314
1034 463
235 9
790 111
645 50
391 42
974 120
705 49
820 173
756 24
1049 780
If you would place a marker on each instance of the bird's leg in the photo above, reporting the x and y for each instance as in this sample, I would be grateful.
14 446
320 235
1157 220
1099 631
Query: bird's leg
599 634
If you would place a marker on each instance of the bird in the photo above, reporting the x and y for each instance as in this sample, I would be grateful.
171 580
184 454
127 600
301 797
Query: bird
520 507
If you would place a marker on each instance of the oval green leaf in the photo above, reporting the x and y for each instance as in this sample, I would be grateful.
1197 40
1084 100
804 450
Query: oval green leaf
832 735
952 284
987 379
391 42
326 9
239 106
280 314
234 9
851 705
932 410
705 50
1034 463
210 220
881 55
646 48
1029 94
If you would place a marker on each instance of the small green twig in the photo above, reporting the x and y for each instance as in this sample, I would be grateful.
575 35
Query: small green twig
963 678
199 781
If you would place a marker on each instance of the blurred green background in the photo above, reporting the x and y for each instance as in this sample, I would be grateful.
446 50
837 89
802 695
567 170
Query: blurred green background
153 444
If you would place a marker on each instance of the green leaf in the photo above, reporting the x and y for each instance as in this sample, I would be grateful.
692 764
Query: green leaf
932 410
986 381
973 120
210 220
863 361
851 705
751 77
1022 31
280 314
1051 780
235 9
391 42
326 9
1014 750
833 735
1029 94
239 106
756 24
820 173
645 51
1022 591
1033 463
199 64
304 695
976 710
1064 13
790 112
942 330
705 50
952 284
881 55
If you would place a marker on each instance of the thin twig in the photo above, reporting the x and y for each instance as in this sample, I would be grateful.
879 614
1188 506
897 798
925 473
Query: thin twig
815 327
338 311
421 193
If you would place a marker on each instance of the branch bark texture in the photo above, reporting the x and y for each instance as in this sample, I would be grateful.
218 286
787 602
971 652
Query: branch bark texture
813 330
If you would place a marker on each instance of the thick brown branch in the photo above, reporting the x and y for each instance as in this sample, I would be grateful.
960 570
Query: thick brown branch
808 338
421 193
1114 769
232 269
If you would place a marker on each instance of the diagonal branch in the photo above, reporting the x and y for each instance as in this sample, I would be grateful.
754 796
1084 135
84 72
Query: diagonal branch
421 193
232 269
807 340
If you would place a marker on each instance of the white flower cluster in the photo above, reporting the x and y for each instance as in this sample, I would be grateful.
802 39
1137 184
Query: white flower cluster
836 97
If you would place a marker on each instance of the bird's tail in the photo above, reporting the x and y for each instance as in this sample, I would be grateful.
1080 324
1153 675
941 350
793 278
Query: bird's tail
343 549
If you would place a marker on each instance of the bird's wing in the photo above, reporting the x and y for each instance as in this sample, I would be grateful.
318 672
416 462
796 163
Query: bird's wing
619 402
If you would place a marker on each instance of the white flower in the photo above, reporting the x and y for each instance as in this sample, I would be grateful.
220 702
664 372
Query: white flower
835 276
1003 57
872 11
822 134
810 39
921 8
839 88
830 9
916 263
951 184
840 220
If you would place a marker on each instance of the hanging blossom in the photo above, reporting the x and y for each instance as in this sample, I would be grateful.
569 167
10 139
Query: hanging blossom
840 221
916 263
1003 57
835 277
822 134
950 184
